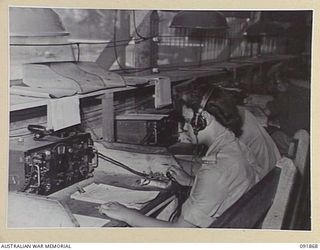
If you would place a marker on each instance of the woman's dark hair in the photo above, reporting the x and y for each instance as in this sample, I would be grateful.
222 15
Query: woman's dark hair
221 105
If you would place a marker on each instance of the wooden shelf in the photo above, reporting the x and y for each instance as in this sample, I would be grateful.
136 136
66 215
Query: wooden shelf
176 75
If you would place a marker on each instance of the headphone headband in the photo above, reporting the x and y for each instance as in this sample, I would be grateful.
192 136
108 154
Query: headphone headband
198 122
205 98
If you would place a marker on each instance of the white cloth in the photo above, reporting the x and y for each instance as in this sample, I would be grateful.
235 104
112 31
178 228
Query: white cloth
259 142
63 112
162 91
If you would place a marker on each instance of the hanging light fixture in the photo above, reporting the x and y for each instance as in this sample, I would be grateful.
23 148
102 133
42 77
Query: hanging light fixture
237 14
35 22
205 20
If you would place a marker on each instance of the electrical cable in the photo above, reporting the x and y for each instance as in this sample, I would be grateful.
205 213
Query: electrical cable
135 27
134 70
124 69
151 176
114 42
191 67
40 44
20 135
119 164
192 36
125 42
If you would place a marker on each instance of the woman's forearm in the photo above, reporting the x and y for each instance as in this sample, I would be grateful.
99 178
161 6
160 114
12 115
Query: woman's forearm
136 219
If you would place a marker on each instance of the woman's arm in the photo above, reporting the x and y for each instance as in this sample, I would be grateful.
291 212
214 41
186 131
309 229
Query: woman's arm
179 175
134 218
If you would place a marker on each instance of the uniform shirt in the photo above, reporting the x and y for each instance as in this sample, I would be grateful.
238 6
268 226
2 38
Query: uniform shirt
226 173
259 142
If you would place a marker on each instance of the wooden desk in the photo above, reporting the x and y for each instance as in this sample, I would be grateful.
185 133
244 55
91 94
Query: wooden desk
107 173
127 181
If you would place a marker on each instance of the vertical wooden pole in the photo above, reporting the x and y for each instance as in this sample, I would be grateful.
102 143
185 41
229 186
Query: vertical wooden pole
108 117
154 32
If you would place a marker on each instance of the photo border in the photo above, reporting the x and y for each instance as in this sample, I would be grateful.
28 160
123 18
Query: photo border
163 234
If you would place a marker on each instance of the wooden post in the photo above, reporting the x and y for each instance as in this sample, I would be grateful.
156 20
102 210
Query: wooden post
108 117
154 32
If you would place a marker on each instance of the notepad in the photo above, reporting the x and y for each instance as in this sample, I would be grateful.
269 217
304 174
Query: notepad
101 193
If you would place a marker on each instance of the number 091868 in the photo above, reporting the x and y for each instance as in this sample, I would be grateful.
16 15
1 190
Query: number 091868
309 245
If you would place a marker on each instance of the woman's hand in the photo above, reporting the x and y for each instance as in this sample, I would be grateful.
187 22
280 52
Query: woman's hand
179 175
116 211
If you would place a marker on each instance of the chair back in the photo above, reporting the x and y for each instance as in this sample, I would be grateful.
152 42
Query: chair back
299 153
269 196
277 215
298 150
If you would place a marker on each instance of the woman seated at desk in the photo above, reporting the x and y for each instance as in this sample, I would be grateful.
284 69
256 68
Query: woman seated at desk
226 173
254 136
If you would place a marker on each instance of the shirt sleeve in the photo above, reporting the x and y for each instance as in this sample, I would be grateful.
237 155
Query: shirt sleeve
206 197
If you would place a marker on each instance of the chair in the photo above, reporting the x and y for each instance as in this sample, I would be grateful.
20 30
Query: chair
265 204
298 150
277 214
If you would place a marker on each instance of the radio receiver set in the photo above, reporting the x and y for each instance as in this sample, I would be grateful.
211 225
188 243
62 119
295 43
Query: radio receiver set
50 163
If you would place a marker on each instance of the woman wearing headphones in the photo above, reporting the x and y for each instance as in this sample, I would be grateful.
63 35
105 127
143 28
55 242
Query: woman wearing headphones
226 173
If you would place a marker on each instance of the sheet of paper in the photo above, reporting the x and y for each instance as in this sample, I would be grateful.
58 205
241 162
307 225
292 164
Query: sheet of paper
88 221
101 193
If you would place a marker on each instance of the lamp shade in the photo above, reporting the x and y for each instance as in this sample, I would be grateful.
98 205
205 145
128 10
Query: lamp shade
237 14
206 20
35 22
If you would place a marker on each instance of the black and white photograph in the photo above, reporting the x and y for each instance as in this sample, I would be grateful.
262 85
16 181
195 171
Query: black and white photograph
159 118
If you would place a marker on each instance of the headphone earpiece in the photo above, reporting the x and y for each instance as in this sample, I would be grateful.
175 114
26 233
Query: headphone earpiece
198 122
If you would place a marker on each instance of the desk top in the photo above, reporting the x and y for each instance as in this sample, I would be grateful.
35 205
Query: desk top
121 180
109 174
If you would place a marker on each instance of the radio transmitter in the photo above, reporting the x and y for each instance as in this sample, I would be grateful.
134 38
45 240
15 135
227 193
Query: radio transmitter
50 164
